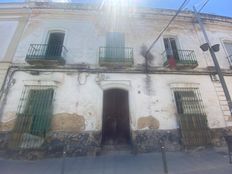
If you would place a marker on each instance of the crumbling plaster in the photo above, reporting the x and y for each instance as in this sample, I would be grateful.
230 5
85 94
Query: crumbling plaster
86 100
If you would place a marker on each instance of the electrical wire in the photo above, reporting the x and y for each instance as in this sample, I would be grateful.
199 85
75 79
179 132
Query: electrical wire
165 28
206 2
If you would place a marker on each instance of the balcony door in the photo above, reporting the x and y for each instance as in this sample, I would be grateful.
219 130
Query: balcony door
171 47
55 45
115 45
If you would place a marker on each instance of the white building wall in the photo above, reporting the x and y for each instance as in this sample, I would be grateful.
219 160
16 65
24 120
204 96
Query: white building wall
84 97
85 32
7 30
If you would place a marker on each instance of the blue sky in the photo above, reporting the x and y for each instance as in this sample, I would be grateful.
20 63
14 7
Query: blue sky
219 7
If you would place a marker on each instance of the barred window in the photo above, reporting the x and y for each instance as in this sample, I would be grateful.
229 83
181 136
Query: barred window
191 116
33 116
188 101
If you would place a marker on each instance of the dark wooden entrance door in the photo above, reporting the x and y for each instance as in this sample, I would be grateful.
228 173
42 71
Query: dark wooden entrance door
116 128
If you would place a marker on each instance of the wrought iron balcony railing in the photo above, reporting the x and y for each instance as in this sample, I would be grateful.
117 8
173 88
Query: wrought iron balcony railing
116 56
182 58
46 54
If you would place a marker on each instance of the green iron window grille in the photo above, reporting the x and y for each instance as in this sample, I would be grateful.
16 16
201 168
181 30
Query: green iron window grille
192 118
33 117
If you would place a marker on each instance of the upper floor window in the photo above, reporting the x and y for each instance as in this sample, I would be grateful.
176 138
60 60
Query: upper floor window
174 57
115 45
52 52
228 47
171 48
55 44
115 52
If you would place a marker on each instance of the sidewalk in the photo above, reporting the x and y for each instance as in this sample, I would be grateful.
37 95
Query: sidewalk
201 162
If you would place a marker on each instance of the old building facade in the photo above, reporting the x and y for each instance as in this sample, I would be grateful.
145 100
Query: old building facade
77 74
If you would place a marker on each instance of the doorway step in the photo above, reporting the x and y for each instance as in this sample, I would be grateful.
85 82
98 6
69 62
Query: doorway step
116 149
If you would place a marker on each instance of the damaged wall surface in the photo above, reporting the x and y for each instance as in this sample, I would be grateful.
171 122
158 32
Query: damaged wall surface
80 77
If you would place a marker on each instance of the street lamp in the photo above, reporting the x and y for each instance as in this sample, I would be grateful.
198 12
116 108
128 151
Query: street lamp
206 47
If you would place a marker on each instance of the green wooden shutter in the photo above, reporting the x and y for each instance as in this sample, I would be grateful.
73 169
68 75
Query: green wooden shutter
33 118
115 45
40 109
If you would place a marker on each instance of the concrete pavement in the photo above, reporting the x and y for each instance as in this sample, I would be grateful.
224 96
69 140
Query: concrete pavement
200 162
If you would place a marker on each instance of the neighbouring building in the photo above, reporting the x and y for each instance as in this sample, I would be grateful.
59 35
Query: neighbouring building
76 74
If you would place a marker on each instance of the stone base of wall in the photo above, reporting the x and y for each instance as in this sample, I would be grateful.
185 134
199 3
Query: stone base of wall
75 144
89 143
148 140
217 136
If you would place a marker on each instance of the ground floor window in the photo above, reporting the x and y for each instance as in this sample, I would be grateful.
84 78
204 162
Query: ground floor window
191 116
33 117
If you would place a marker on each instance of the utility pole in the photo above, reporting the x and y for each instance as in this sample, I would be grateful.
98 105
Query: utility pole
217 67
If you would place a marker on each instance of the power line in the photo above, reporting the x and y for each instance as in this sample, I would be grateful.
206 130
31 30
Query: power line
162 31
206 2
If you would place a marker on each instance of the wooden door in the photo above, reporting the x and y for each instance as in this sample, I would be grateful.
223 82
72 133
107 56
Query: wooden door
116 129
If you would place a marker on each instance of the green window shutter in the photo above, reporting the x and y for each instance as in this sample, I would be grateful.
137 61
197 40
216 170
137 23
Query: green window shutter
33 117
38 108
115 45
41 105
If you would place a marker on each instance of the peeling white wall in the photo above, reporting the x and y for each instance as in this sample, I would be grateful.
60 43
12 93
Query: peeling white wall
86 32
82 93
86 98
7 30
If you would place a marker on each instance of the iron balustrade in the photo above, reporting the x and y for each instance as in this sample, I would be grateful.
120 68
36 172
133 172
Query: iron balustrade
116 55
46 52
182 57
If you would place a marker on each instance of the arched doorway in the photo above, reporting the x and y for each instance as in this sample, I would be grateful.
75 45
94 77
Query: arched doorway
115 125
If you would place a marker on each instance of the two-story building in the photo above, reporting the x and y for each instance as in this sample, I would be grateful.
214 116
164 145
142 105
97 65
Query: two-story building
78 75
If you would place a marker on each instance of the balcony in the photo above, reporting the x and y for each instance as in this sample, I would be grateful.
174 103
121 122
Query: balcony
116 56
45 54
180 59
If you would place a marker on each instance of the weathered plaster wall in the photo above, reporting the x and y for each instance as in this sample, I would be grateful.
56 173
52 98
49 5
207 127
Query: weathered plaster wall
217 35
78 99
81 101
7 30
86 32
